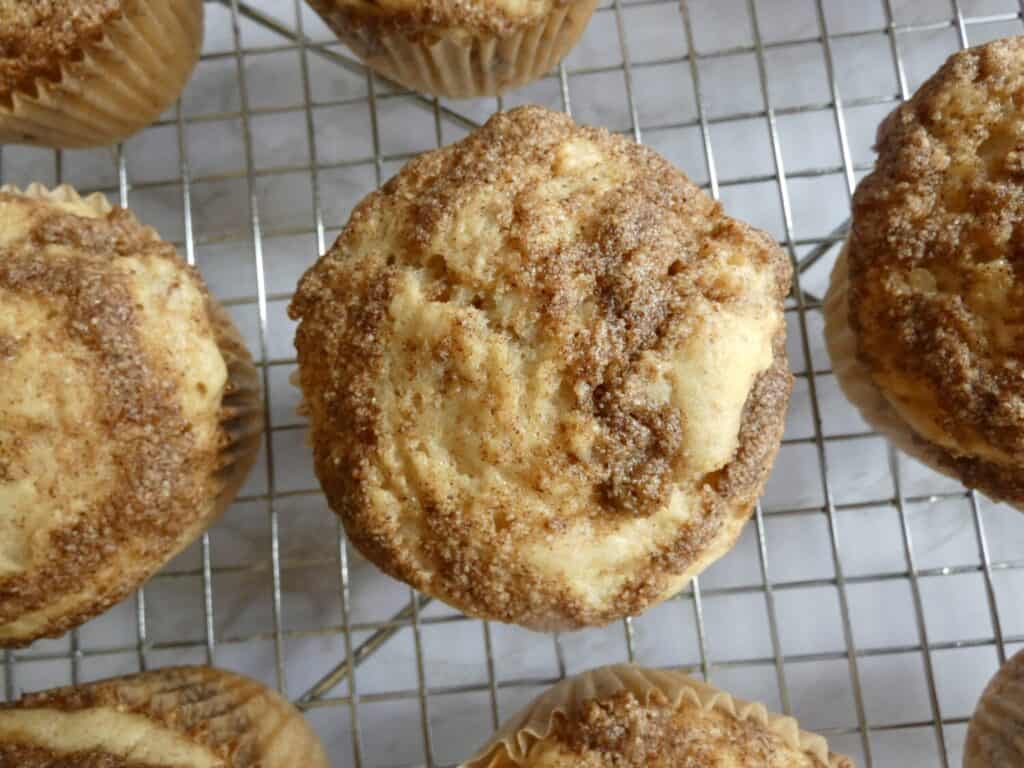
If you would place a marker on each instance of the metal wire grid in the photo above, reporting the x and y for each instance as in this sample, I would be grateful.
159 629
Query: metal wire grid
857 735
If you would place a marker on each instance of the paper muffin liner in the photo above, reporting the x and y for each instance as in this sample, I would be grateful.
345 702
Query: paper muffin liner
467 64
241 411
122 84
860 389
241 407
995 735
513 742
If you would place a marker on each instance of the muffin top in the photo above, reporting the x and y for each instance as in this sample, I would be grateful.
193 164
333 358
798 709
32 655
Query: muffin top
630 717
188 717
993 735
625 733
418 17
936 261
110 393
545 372
37 37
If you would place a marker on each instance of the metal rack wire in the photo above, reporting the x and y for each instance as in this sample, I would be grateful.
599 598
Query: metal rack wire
336 690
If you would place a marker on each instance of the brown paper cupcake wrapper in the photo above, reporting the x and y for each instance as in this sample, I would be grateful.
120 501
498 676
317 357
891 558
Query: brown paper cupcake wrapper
241 406
536 723
466 65
123 83
995 736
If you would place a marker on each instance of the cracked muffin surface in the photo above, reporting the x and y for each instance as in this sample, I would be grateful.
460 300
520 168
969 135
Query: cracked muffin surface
545 373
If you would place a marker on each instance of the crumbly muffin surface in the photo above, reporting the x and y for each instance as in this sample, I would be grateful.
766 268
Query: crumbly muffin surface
37 37
185 717
937 266
545 373
425 17
111 384
623 732
994 733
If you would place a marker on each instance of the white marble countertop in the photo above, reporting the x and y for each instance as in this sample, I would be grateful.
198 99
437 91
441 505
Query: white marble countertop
278 614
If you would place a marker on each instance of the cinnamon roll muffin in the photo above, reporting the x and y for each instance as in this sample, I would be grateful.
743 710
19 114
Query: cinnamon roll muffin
457 49
129 408
925 313
625 715
545 373
188 717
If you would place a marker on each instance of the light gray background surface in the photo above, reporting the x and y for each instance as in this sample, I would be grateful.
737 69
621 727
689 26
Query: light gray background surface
874 613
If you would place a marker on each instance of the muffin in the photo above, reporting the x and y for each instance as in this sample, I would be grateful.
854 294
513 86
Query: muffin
924 316
626 715
188 717
994 733
546 375
458 49
84 73
129 409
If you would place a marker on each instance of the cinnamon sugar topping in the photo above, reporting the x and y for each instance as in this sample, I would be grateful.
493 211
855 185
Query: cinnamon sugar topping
545 372
623 732
38 37
188 716
101 462
419 19
937 268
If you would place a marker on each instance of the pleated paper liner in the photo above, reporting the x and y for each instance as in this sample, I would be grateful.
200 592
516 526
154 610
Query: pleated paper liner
860 389
184 716
122 84
995 735
465 64
241 413
241 407
511 745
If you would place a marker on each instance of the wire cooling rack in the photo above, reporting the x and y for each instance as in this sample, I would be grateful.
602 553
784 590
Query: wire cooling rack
868 596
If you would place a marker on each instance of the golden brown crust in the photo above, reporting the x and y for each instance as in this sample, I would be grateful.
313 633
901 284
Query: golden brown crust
588 315
623 732
625 715
168 477
994 733
24 756
728 496
39 37
458 50
999 482
239 722
365 20
936 270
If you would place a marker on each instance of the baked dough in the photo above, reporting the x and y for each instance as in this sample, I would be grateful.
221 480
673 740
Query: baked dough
187 717
626 716
546 374
458 49
994 733
128 409
935 269
83 73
